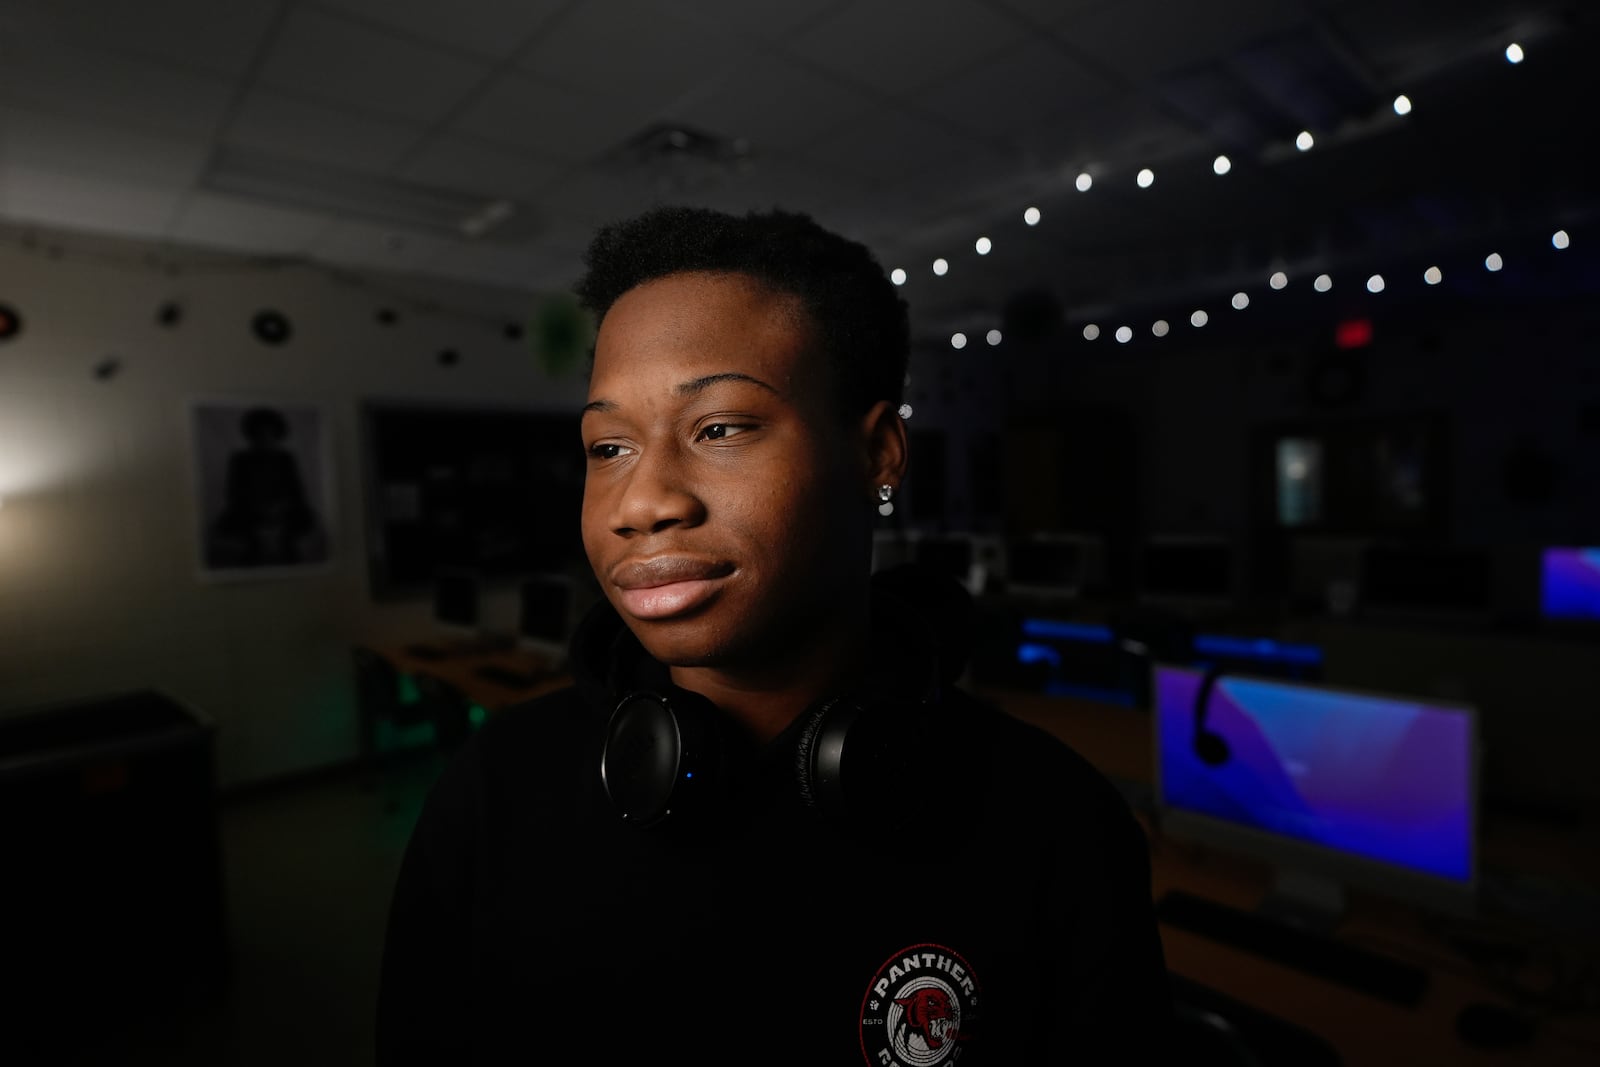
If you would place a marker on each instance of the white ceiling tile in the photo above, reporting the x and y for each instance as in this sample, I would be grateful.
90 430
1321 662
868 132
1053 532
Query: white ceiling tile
280 125
591 196
375 247
76 202
525 268
1044 12
1123 133
315 56
773 104
65 145
896 46
200 34
470 165
490 28
1017 90
247 225
771 21
633 50
780 182
1139 39
113 89
550 120
888 146
566 232
1424 35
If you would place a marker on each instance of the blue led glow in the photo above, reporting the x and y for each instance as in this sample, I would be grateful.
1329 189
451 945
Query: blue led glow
1031 653
688 774
1068 631
1257 648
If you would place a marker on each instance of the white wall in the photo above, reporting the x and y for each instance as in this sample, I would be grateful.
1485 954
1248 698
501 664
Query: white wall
100 585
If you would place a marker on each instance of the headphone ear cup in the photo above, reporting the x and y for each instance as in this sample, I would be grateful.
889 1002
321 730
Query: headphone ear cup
819 756
661 757
863 766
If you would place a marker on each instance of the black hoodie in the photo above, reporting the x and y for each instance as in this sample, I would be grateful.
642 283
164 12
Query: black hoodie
990 905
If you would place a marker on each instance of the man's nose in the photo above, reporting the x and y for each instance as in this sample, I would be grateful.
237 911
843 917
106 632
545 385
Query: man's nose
657 495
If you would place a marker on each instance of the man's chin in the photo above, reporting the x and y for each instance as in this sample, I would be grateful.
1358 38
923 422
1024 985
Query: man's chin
675 644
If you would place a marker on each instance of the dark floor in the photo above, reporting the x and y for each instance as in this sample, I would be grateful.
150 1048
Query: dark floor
308 872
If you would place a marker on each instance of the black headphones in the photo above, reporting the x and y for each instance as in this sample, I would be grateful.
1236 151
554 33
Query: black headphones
664 759
855 754
1210 746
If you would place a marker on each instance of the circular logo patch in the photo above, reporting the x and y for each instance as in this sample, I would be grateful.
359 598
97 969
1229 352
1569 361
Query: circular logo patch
920 1008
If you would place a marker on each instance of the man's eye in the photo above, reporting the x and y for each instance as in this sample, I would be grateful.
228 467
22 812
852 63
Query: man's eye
718 431
605 450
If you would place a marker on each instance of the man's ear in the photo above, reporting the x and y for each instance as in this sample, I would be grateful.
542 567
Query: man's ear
883 436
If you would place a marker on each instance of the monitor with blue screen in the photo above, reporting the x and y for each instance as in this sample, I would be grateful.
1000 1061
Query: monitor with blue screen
1332 787
1569 584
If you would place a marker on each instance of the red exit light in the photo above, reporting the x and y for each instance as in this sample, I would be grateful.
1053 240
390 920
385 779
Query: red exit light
1353 333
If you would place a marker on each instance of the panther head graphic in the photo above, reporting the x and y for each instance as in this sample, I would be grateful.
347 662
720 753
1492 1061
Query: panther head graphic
928 1012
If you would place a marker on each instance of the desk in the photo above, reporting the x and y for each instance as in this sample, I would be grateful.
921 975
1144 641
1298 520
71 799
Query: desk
459 668
1364 1029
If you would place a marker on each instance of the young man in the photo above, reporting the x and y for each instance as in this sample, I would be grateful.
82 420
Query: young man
764 827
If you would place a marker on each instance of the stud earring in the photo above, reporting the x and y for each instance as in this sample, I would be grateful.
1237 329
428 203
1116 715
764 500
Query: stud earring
885 507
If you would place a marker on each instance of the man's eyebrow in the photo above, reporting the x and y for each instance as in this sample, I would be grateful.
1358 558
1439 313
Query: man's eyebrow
697 385
688 388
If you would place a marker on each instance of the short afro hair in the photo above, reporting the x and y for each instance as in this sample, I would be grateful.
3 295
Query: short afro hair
860 319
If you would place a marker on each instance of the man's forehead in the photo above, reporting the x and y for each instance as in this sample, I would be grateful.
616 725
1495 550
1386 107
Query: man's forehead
689 299
703 324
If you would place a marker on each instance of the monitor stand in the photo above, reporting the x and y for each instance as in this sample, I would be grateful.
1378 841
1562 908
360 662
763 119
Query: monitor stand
1304 901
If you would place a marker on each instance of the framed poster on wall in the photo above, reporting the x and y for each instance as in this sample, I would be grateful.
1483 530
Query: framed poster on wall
263 488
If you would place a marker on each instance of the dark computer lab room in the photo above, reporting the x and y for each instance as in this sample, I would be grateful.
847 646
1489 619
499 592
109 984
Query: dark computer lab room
1228 550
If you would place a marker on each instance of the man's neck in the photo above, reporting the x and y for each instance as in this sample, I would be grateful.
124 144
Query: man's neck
765 700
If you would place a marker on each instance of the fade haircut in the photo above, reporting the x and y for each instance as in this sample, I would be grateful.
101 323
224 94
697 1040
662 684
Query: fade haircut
859 319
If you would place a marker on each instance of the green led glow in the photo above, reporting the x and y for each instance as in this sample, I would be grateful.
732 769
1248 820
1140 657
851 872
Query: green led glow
408 690
477 715
389 737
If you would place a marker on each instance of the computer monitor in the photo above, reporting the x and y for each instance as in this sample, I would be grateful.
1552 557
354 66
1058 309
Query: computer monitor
1051 566
544 618
1569 584
1332 787
455 602
1179 570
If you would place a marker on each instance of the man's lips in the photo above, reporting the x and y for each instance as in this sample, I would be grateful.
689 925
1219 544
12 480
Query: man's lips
665 586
